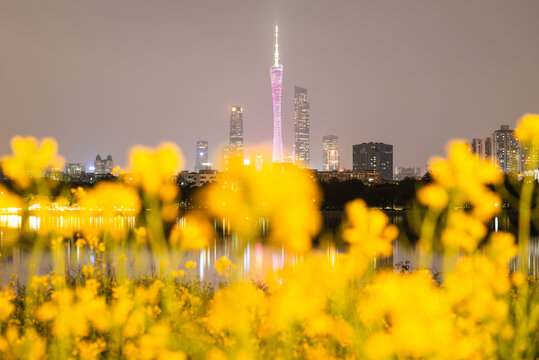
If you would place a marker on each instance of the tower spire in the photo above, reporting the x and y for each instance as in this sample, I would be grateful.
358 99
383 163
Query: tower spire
276 46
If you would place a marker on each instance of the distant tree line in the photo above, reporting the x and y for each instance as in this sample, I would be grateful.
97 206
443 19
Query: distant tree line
389 195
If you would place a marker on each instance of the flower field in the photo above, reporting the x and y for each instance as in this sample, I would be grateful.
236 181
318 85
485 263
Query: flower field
312 309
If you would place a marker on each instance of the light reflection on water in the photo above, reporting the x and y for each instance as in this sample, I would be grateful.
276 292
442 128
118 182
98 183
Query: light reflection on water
253 259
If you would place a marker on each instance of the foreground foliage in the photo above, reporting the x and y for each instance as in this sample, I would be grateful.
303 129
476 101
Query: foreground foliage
323 307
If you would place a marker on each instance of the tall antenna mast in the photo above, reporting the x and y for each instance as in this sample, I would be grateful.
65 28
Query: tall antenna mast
276 46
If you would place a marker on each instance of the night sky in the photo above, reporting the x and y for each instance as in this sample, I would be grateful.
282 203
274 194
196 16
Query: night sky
102 75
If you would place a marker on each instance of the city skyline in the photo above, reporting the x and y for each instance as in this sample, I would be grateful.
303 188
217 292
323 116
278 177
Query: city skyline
105 76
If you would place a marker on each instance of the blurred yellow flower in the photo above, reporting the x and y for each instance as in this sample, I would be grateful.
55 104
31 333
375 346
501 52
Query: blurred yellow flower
30 157
6 305
368 232
402 308
152 168
193 233
462 170
223 266
433 196
502 247
109 199
190 264
527 131
236 309
463 231
284 195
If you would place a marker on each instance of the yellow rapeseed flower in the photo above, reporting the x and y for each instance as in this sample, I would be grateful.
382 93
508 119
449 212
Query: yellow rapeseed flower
286 196
6 304
223 266
368 232
463 173
30 157
109 199
433 196
527 131
152 168
463 231
193 233
412 316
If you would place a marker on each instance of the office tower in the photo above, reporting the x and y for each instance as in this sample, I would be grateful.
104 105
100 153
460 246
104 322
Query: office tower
103 167
202 155
276 76
301 127
374 157
236 133
330 153
506 150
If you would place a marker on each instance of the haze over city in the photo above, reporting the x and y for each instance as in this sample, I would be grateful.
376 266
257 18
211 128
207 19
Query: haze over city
101 76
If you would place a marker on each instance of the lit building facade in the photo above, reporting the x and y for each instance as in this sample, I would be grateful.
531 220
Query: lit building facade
506 150
302 149
400 173
374 157
103 167
330 153
236 148
276 76
202 155
367 177
74 170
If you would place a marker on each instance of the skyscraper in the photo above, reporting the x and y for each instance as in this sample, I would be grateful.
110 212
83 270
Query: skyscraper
103 167
506 150
276 76
330 153
374 157
301 127
236 133
202 155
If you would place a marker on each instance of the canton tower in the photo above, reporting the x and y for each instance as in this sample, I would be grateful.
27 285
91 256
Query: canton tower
276 75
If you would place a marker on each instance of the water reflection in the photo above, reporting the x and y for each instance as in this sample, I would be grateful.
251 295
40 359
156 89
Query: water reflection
253 258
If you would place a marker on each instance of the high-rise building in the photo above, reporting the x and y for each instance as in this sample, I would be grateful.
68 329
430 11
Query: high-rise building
374 157
276 76
103 167
506 150
236 133
330 153
225 157
482 148
302 149
487 147
202 155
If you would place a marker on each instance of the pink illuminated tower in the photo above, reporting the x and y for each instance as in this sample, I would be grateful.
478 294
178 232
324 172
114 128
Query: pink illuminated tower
276 75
